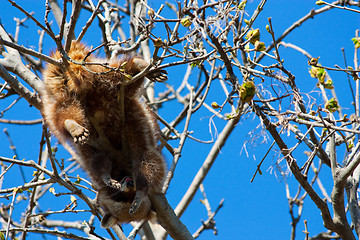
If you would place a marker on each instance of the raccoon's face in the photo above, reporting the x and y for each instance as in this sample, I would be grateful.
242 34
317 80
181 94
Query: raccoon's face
127 185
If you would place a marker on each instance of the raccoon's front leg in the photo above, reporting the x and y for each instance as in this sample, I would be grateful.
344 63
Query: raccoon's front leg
79 133
125 185
111 182
142 187
139 198
100 165
149 176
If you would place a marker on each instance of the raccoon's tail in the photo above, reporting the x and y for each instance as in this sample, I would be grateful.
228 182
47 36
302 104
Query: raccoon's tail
75 74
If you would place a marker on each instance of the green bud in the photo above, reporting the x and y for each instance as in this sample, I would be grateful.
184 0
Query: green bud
186 22
332 105
151 13
247 91
356 41
242 5
253 35
268 28
313 61
329 84
319 73
259 46
158 42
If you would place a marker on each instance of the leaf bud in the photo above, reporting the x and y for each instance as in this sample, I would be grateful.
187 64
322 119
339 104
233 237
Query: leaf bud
332 105
268 28
151 13
186 22
247 91
242 5
158 42
214 105
253 35
259 46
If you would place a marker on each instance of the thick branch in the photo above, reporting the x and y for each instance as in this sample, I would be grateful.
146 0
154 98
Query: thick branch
168 218
201 174
295 169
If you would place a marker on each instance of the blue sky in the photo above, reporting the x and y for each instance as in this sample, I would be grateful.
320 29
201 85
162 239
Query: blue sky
257 210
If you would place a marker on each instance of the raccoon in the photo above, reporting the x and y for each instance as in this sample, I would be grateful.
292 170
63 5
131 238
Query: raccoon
96 106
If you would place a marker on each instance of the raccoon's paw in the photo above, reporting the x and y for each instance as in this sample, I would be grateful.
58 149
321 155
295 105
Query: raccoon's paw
81 136
139 197
79 133
113 183
157 75
125 185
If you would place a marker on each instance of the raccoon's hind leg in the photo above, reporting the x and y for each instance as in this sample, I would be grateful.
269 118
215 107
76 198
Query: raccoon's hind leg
79 133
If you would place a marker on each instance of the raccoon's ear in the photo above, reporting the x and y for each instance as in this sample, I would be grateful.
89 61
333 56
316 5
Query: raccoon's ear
108 220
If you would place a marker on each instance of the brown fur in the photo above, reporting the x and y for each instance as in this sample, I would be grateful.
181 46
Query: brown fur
117 204
82 105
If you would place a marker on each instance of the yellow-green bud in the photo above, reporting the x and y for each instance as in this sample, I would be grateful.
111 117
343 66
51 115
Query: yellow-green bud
214 105
268 28
151 13
247 91
158 42
186 22
332 105
313 61
356 41
253 35
259 46
242 5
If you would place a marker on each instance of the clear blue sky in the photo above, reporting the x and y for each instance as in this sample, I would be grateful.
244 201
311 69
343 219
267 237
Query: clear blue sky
257 210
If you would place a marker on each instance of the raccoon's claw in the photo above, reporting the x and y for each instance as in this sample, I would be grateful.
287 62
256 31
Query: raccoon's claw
79 133
113 183
134 206
83 137
125 185
157 75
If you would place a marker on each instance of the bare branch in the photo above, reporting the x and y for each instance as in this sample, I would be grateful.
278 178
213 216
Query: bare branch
70 29
32 98
201 174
